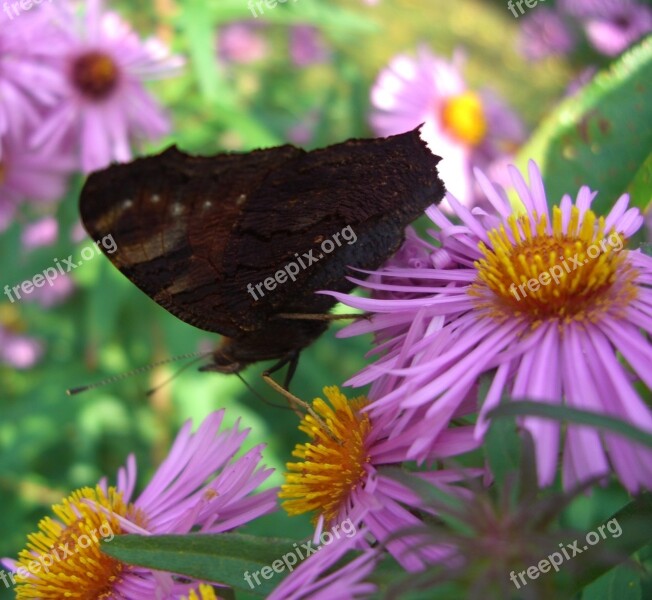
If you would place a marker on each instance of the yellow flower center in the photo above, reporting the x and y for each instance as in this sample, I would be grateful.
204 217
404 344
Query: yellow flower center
464 118
575 275
333 463
95 74
206 592
63 559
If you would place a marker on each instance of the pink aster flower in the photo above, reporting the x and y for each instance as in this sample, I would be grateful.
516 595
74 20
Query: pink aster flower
463 126
199 487
43 232
19 351
544 32
315 579
105 106
345 475
28 175
611 25
307 46
549 302
28 81
54 293
242 42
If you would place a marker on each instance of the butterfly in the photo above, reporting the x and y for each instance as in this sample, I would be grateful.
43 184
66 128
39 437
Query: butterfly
199 233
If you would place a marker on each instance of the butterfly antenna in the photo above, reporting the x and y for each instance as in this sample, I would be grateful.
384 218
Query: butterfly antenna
152 391
107 381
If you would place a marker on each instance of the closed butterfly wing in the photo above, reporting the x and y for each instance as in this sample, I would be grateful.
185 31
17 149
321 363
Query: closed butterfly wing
171 217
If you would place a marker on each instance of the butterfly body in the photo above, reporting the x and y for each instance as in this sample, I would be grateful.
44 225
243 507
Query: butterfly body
198 234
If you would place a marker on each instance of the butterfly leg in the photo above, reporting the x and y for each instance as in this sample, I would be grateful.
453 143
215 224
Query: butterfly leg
296 403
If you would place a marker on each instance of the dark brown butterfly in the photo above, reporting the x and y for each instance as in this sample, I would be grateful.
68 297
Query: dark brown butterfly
198 233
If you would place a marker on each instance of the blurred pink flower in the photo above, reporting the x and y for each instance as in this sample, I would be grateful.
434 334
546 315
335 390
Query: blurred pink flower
242 42
105 106
28 80
19 351
544 32
611 25
466 128
48 296
29 175
307 45
43 232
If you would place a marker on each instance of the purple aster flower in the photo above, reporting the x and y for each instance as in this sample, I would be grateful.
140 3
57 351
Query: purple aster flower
615 33
242 42
19 351
544 32
611 25
199 487
54 293
314 578
307 46
344 474
548 302
43 232
104 107
28 175
464 127
28 81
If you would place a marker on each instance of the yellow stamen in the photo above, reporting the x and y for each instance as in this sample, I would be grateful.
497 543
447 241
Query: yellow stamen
464 117
63 559
206 592
574 275
333 464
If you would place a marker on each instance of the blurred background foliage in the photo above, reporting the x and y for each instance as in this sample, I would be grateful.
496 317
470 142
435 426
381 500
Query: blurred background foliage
51 443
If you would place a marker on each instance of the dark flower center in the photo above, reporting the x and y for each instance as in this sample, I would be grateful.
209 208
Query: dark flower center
623 21
95 74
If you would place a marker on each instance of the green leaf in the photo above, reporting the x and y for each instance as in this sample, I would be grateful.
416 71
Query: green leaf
223 558
640 188
503 449
198 25
621 583
634 523
600 136
566 413
337 21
